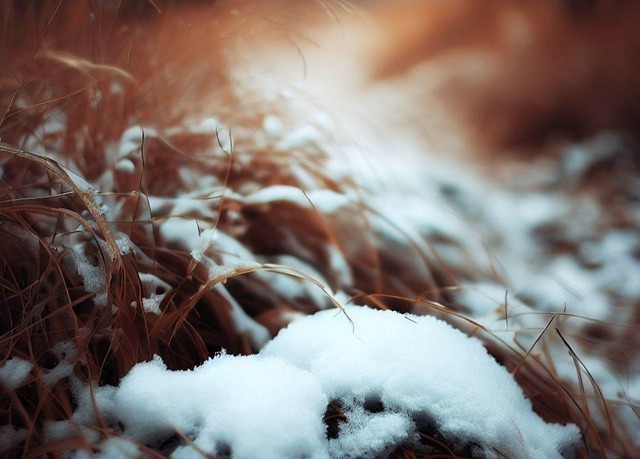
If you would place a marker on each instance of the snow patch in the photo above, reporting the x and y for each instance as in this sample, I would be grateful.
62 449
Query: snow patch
152 304
11 437
14 372
66 353
204 241
420 367
251 406
125 165
272 126
93 277
271 405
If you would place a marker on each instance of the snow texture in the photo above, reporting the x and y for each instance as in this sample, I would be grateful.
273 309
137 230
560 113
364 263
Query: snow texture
10 437
93 277
243 405
14 372
418 367
66 353
419 370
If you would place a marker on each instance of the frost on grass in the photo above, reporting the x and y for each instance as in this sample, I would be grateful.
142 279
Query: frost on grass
392 375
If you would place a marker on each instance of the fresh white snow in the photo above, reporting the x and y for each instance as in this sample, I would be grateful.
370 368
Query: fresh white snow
420 370
14 372
253 406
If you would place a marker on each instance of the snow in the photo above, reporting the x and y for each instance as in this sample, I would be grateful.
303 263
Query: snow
325 201
242 322
10 437
422 373
66 353
125 165
182 205
328 201
131 139
152 304
242 404
123 243
271 405
184 231
279 193
421 366
80 182
369 435
206 239
483 297
152 284
117 448
298 285
208 126
577 159
14 372
273 126
418 370
303 137
93 277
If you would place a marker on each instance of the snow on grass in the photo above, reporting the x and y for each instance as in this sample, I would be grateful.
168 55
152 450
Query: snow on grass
131 139
273 126
65 352
419 371
125 165
206 239
116 448
304 137
152 303
253 406
208 126
93 277
80 182
123 243
243 323
14 372
293 287
420 367
183 231
10 437
325 201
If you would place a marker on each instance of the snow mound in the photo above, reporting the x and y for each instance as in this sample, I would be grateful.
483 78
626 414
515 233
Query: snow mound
421 370
391 376
249 406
